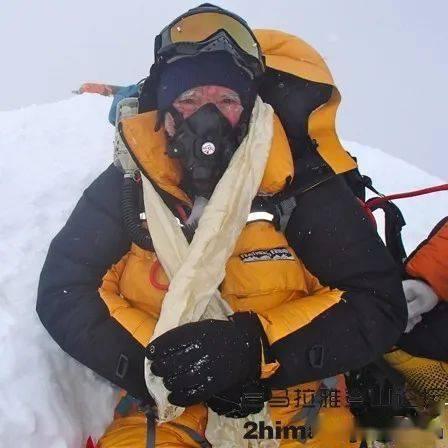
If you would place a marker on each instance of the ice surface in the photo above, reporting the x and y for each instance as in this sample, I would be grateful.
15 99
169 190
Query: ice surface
50 153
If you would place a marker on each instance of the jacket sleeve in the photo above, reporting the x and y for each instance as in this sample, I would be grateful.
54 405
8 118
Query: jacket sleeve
68 302
359 313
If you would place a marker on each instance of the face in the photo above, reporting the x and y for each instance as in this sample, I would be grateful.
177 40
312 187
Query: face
226 100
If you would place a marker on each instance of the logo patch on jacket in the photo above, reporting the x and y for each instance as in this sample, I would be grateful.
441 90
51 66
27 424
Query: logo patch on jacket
277 253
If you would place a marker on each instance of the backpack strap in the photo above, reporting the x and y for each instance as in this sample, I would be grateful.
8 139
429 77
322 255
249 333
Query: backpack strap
194 435
151 417
310 413
394 223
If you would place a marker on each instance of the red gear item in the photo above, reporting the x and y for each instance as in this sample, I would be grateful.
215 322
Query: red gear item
429 261
101 89
90 443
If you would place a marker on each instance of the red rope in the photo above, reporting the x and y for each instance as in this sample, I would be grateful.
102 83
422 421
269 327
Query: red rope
153 277
369 213
374 202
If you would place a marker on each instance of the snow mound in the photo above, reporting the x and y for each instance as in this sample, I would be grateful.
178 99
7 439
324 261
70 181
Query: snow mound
50 154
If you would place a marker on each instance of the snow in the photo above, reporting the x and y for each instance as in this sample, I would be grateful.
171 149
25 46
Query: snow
50 154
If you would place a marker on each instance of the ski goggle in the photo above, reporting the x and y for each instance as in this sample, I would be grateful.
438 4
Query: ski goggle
204 31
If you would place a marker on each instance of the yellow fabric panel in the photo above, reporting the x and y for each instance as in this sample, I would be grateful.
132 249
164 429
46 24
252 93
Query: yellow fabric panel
334 431
245 292
290 54
135 282
137 322
111 283
130 432
261 285
268 369
321 127
290 316
149 147
280 165
259 235
336 424
426 377
284 294
427 382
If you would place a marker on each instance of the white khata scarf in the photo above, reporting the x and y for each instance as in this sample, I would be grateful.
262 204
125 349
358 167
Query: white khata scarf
196 270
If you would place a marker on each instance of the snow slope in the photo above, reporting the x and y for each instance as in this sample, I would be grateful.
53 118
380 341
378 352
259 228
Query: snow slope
50 154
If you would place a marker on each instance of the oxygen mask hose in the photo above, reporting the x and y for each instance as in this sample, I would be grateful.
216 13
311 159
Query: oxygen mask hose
131 215
123 160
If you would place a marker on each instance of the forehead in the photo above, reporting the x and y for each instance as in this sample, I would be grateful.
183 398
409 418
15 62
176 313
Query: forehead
209 91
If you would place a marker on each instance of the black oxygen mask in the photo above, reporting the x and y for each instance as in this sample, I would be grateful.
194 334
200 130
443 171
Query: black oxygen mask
204 143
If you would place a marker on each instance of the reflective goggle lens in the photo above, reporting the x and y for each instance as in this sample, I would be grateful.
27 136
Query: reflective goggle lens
198 27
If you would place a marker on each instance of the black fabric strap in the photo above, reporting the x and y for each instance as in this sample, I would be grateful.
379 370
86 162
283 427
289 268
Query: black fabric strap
394 223
310 413
151 416
202 441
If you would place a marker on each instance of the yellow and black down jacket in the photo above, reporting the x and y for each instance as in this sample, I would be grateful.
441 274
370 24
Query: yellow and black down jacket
331 301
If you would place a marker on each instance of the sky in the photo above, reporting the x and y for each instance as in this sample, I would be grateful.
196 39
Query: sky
388 58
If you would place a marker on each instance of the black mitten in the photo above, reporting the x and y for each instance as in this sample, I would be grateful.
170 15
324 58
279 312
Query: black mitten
204 358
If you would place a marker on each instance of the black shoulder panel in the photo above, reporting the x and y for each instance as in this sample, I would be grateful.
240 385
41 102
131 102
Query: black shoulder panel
293 99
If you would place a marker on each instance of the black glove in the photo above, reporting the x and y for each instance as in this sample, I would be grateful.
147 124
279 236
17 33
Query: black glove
204 358
377 394
241 400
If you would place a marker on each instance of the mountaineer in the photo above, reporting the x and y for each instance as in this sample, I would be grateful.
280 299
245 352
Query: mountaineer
305 304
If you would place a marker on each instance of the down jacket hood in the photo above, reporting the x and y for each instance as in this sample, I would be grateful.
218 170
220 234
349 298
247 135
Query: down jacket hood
284 53
288 54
